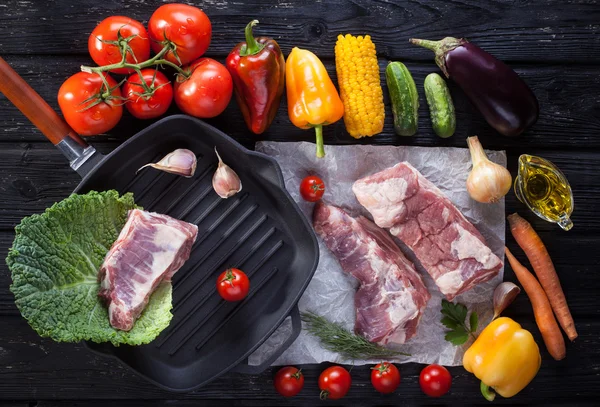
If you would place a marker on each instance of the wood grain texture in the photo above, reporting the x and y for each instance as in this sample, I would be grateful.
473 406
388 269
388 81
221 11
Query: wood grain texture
48 370
404 402
569 100
32 106
514 30
553 44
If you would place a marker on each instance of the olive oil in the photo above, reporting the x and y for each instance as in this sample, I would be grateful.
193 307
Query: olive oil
545 190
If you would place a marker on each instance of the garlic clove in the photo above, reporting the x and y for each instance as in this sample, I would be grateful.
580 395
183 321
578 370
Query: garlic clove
504 294
226 182
488 182
180 162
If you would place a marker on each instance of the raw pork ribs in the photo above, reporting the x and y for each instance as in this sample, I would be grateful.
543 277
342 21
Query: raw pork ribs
448 246
391 295
149 250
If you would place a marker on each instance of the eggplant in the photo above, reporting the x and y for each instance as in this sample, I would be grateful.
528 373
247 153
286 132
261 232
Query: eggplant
502 97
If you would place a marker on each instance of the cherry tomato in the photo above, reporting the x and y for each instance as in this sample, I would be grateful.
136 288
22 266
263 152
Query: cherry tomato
312 188
88 106
289 381
103 42
150 102
385 377
435 380
185 26
233 285
334 383
207 91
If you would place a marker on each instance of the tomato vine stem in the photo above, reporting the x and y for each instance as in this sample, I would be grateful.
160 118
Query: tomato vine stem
155 60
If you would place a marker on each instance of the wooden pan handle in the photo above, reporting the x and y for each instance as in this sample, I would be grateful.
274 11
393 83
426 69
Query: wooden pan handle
31 104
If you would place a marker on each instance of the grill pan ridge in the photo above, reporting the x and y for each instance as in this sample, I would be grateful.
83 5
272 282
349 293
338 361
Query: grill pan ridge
260 230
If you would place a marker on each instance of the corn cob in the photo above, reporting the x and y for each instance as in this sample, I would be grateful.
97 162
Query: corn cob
360 86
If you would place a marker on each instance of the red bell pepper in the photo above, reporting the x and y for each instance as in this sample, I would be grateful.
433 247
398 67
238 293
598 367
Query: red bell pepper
257 67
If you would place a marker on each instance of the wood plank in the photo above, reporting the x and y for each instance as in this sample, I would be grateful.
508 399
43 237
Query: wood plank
548 30
260 403
35 175
19 187
568 96
34 368
553 44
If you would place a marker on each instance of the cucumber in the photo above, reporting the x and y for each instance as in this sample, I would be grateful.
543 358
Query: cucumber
404 97
441 108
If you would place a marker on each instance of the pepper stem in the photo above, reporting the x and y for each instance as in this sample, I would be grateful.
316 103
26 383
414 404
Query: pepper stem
252 46
486 392
440 48
320 147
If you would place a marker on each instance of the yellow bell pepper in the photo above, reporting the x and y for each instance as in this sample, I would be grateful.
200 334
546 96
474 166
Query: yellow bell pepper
312 98
504 357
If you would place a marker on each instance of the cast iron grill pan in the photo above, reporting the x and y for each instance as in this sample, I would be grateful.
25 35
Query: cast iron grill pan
260 230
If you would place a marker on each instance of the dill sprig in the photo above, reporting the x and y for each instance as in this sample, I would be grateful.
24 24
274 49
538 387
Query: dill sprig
337 339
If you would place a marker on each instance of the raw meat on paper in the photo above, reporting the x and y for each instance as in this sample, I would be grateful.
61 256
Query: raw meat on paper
391 296
448 246
149 250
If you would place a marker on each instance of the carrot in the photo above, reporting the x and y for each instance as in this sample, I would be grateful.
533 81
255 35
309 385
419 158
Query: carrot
541 262
542 310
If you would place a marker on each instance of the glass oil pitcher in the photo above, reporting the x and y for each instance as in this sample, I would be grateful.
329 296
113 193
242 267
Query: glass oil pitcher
544 189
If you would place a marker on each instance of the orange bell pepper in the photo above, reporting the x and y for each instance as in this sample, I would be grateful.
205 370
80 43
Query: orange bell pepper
313 100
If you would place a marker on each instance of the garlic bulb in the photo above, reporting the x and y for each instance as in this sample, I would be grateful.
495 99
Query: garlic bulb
181 162
226 182
488 181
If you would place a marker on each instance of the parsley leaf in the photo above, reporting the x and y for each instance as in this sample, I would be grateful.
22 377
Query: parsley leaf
473 322
457 312
457 336
454 318
449 323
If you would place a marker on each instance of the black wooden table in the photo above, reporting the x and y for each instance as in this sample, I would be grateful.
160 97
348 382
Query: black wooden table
553 44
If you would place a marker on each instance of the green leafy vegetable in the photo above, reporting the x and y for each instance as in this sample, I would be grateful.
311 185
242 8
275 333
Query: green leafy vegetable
454 318
457 336
473 322
54 263
337 339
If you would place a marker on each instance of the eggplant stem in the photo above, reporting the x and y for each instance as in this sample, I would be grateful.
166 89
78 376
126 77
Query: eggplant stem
440 48
432 45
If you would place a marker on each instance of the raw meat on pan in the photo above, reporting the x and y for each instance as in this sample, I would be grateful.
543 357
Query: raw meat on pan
149 250
391 296
448 246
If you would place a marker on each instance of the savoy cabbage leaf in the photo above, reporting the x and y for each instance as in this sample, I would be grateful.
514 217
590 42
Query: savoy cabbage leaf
54 263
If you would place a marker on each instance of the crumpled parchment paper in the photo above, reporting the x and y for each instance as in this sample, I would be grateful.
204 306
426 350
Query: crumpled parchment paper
331 291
